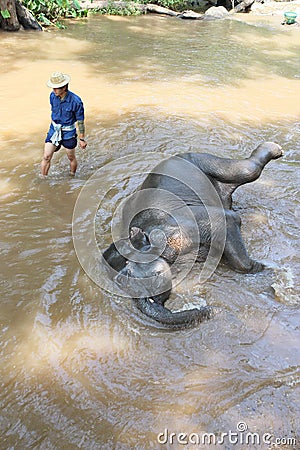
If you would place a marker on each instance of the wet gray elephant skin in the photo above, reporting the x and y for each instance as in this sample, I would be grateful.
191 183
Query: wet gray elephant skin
182 211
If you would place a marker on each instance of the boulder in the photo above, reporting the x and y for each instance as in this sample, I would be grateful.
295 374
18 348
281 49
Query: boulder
216 12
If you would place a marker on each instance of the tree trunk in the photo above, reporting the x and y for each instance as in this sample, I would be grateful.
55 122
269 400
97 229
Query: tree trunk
13 15
243 6
8 15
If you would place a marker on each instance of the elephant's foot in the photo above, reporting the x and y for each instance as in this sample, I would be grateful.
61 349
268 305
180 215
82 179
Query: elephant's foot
265 152
250 267
173 320
257 267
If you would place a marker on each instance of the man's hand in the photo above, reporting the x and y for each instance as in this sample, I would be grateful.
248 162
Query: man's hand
82 143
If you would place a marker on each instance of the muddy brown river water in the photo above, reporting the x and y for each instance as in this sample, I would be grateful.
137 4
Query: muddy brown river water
79 367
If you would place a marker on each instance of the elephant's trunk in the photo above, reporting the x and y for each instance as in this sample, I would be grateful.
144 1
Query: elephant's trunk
173 320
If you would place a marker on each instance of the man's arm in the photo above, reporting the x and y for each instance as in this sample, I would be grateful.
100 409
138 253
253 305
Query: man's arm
80 124
81 128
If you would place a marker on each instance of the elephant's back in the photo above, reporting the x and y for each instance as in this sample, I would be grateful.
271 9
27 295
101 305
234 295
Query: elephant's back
186 182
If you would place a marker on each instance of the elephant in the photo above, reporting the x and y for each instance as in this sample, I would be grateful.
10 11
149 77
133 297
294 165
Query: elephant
182 213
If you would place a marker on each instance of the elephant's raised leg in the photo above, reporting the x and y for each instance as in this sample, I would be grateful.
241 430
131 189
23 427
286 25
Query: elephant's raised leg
228 174
238 171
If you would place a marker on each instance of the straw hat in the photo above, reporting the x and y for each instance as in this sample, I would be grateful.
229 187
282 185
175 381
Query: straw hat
58 80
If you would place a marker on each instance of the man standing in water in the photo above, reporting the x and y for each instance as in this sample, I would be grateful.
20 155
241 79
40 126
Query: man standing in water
66 109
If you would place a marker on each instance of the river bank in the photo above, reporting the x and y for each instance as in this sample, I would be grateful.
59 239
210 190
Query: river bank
270 12
274 8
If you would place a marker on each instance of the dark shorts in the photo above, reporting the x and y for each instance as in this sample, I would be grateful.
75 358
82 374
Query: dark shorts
67 143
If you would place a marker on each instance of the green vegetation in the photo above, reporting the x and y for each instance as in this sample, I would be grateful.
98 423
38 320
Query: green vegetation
176 5
114 10
130 9
5 14
49 12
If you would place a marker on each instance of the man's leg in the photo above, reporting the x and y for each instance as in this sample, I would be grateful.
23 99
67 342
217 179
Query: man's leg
49 149
73 161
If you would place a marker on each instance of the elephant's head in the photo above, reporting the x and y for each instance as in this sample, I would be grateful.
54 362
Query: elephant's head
145 279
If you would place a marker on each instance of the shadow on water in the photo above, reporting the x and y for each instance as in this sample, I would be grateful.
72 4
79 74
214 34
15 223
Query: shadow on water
79 367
